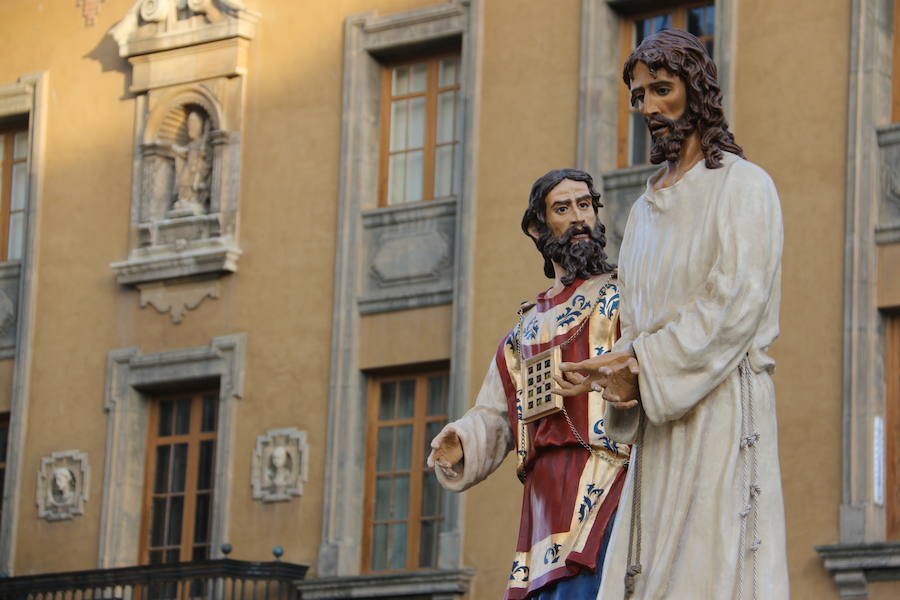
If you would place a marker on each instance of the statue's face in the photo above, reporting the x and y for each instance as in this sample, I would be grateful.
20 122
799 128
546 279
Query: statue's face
194 125
568 204
279 457
62 480
659 95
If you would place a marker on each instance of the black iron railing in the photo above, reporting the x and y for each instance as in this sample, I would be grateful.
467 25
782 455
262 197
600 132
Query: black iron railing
221 579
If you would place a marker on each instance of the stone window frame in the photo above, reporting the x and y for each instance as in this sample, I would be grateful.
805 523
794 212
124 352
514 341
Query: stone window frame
27 97
600 82
131 378
861 553
365 35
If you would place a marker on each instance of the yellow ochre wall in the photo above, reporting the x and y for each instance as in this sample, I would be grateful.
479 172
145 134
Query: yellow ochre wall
789 113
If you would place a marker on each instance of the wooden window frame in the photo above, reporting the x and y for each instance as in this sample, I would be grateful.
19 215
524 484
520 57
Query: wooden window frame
6 169
626 45
193 438
419 422
432 89
892 428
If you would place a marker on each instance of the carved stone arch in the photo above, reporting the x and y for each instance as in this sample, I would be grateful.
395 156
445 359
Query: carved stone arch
169 111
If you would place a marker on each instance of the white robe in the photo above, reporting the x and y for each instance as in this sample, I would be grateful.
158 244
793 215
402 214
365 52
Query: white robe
700 277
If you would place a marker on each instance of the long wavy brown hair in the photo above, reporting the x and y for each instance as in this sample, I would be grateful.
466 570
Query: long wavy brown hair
682 54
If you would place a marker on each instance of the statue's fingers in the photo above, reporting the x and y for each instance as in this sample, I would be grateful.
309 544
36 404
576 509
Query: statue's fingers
561 382
430 460
574 377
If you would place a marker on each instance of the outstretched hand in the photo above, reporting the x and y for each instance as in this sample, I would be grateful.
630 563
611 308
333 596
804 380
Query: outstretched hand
614 373
446 452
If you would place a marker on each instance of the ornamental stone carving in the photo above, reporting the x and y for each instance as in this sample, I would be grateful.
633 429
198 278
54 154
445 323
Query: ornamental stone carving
188 59
888 228
63 485
9 299
280 465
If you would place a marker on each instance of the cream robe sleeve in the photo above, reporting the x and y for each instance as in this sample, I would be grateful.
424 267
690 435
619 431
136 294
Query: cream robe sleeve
485 435
686 359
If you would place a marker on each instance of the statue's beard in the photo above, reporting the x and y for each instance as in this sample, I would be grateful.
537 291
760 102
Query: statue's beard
668 147
582 258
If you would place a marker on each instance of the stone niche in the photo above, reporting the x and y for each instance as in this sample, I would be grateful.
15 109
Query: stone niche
188 60
63 485
887 231
280 465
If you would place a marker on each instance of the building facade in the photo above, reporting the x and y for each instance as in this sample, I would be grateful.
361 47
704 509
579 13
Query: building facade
254 255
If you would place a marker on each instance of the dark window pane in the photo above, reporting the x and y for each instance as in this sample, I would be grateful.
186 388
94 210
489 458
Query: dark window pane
428 538
710 44
437 395
384 458
382 498
183 416
173 556
158 522
639 135
179 467
432 428
403 452
431 495
173 530
156 557
210 408
165 418
201 519
407 399
695 21
710 20
398 546
4 440
205 468
388 401
401 497
201 553
379 547
160 485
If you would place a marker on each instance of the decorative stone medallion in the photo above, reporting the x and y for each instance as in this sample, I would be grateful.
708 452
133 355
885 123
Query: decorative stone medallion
63 485
280 465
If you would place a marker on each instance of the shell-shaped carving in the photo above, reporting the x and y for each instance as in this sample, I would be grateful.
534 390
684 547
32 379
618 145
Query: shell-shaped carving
154 10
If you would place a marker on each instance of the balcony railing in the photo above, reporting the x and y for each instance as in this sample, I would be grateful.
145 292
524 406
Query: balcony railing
220 579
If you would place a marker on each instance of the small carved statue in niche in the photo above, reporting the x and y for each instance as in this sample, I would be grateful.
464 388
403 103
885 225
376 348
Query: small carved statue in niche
279 473
193 165
62 486
280 465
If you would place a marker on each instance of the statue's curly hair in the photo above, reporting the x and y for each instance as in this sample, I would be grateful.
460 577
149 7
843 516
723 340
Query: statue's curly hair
682 54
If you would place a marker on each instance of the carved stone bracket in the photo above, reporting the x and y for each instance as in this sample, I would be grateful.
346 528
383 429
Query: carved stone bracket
178 298
280 465
63 485
854 565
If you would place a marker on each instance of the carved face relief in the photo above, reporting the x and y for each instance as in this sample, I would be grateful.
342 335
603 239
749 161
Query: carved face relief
62 485
279 465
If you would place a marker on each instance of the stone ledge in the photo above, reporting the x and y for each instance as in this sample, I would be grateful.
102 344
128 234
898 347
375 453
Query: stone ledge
854 565
438 584
144 267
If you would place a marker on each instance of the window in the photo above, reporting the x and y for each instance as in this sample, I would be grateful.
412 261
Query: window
13 190
892 416
633 138
403 512
421 131
179 481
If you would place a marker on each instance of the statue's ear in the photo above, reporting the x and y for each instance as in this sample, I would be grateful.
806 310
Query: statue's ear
533 231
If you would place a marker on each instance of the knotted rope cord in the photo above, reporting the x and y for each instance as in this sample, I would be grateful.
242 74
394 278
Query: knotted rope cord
634 532
749 439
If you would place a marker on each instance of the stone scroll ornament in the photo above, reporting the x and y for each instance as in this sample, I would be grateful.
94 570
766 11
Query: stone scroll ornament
63 485
280 465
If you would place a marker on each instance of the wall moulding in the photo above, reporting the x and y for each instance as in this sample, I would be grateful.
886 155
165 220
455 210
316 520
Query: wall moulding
188 66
